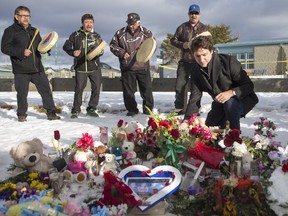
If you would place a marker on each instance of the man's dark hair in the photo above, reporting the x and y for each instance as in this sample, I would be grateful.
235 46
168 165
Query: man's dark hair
204 42
21 8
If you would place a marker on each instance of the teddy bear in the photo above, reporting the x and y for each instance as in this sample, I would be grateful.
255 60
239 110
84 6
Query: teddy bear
109 164
100 150
128 153
29 155
133 130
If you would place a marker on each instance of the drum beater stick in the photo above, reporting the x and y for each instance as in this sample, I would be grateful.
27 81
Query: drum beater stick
35 34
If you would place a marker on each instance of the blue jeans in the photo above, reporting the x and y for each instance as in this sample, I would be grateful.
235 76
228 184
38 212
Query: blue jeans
231 110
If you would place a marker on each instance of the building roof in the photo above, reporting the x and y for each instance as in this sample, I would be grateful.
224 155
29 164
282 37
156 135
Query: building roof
254 43
247 46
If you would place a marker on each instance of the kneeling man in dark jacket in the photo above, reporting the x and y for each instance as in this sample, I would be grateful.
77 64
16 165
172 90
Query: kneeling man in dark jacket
223 78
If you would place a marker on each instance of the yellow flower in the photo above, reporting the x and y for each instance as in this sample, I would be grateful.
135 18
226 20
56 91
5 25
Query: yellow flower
160 159
34 184
41 186
23 189
14 194
10 185
229 209
33 175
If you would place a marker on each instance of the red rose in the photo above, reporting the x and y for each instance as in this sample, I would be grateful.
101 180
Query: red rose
152 123
120 123
175 133
193 131
56 135
285 167
130 137
164 123
231 137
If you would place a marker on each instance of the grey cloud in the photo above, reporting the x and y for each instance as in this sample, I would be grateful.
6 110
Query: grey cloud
251 20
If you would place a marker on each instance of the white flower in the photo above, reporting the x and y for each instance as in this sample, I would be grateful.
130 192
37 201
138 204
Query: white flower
239 149
262 142
283 151
56 145
232 181
221 144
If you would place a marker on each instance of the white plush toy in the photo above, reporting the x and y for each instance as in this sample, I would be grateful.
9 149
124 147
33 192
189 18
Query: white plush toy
29 155
83 155
133 126
128 150
109 164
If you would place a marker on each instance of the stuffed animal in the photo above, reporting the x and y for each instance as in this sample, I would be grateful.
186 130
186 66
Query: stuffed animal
29 155
80 158
128 150
109 164
134 127
100 149
133 130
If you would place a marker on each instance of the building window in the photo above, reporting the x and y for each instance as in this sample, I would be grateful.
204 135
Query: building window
246 59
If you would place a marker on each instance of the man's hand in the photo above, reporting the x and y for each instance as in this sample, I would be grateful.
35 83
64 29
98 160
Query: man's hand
224 96
126 56
27 52
76 53
186 45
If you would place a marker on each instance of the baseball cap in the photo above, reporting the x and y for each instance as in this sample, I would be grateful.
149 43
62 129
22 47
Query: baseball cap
87 16
194 8
132 18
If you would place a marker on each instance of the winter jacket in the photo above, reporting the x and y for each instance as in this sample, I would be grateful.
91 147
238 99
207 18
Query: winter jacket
224 73
14 41
126 41
86 42
184 33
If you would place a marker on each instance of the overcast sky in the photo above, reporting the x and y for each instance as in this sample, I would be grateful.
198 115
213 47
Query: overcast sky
251 20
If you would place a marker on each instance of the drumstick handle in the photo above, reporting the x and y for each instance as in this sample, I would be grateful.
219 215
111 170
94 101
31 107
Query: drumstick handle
34 36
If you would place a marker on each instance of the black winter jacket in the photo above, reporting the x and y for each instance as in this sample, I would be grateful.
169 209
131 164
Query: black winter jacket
225 72
86 42
14 41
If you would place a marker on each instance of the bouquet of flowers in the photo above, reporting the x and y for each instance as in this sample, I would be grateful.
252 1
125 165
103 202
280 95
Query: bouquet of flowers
174 137
27 184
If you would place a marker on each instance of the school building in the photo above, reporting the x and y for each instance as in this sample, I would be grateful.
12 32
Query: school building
267 57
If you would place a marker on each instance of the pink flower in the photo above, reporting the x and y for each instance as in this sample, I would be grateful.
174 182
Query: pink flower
256 123
85 142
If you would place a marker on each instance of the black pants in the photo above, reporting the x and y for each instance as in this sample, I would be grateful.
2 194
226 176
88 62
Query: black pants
129 84
22 87
81 82
182 82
